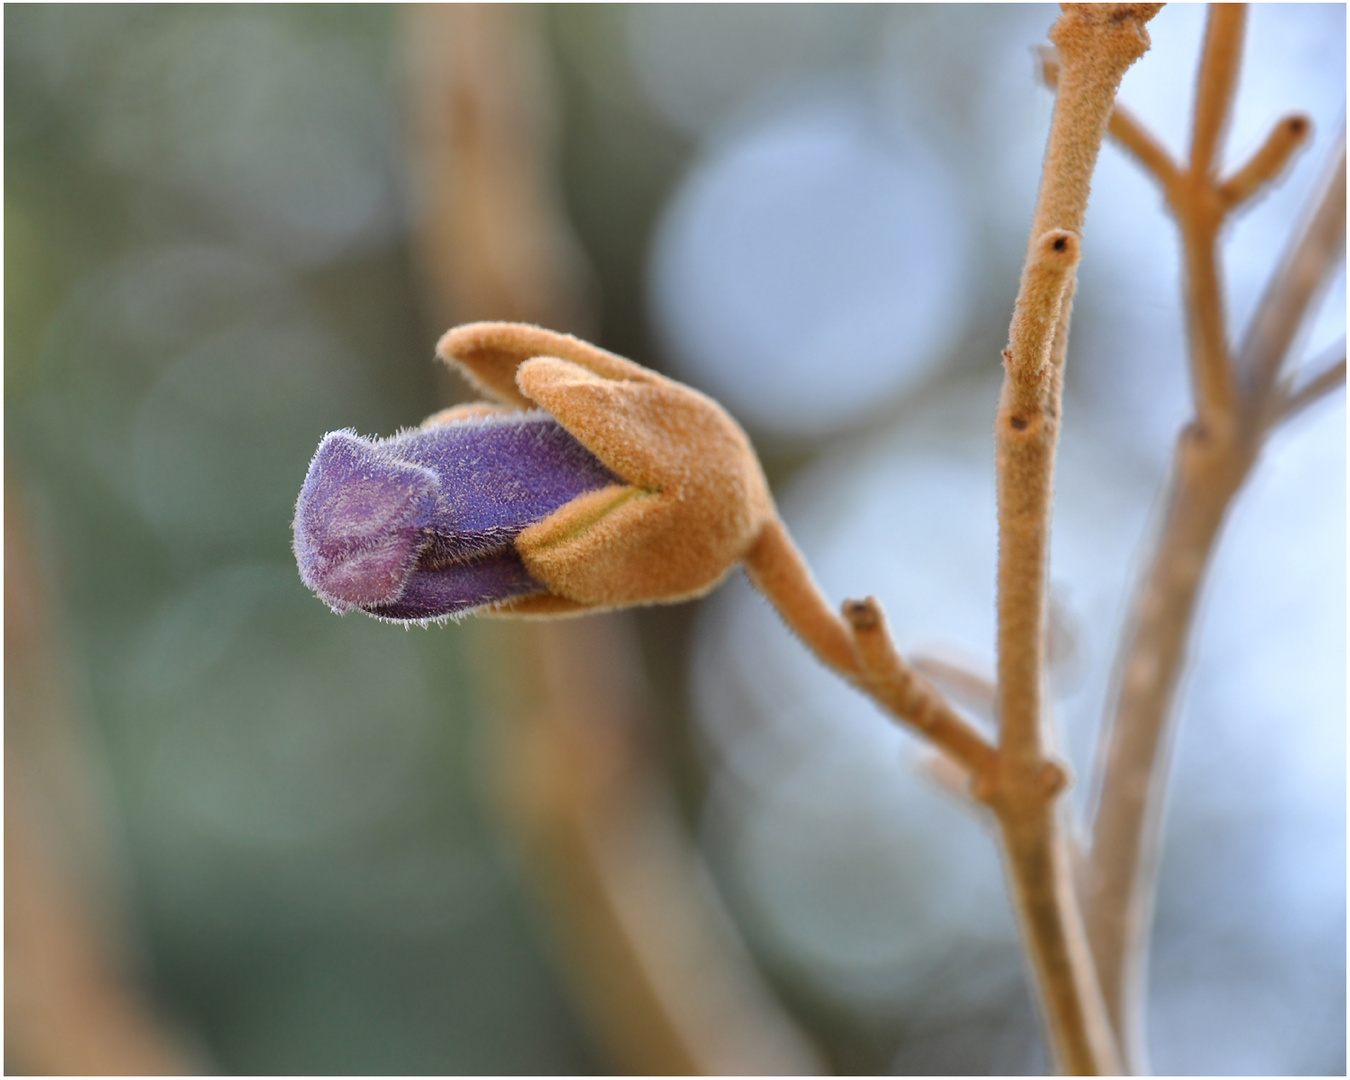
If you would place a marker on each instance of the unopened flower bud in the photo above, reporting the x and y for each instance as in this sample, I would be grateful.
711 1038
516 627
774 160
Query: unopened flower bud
628 488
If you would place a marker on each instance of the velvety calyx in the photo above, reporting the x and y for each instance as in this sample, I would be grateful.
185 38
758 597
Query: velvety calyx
694 498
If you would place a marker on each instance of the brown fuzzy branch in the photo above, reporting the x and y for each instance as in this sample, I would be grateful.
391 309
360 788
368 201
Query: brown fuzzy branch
777 569
1133 137
1036 319
908 696
1026 434
1211 369
1096 44
859 647
1269 161
1200 211
1120 879
1085 35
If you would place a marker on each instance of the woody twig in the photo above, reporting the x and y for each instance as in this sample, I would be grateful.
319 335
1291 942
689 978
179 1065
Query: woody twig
1096 44
859 647
1017 779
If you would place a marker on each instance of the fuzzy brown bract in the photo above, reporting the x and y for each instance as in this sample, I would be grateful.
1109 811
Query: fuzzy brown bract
694 499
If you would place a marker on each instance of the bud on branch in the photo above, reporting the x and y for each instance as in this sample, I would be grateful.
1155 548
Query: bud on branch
624 488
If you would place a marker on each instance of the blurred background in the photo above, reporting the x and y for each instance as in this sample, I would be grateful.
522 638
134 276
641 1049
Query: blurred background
247 836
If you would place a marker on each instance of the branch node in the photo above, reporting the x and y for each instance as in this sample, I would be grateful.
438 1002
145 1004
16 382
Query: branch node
776 568
862 615
984 787
1054 778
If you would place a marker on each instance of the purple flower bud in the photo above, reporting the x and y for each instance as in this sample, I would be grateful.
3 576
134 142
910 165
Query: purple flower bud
628 489
421 525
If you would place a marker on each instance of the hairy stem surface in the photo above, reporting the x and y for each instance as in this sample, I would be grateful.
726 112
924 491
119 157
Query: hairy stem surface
858 647
1096 44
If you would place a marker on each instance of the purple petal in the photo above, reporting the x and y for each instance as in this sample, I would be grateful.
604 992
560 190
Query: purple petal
460 587
498 475
360 522
422 525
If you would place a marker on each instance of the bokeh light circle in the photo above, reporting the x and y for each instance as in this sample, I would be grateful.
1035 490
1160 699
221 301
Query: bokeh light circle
811 267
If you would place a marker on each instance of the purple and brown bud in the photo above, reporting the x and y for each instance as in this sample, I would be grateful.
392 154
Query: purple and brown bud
594 483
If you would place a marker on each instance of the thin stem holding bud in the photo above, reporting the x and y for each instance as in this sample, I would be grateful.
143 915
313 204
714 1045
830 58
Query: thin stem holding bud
910 697
859 647
777 569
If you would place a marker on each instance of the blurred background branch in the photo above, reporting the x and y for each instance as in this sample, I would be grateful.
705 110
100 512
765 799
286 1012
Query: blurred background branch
491 235
662 977
1234 394
72 1003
